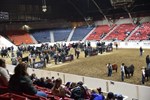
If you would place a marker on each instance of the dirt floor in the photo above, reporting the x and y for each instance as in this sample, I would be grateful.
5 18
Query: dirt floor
95 66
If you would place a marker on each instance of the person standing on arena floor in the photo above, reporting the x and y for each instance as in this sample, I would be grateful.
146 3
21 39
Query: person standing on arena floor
147 61
122 71
116 46
77 53
141 51
109 67
4 75
143 75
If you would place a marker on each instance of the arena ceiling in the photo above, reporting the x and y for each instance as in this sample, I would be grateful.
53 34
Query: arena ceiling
31 10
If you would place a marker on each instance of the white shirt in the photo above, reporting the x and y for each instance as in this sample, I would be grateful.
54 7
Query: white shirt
122 68
143 72
4 76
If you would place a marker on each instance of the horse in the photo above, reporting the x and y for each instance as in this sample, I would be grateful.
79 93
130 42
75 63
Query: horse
4 53
129 71
94 52
147 73
115 67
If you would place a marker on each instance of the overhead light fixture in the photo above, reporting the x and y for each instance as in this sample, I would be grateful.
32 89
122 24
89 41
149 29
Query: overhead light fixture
25 27
44 7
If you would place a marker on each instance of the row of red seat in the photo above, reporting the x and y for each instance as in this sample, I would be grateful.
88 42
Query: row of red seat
120 32
19 37
141 33
98 32
6 95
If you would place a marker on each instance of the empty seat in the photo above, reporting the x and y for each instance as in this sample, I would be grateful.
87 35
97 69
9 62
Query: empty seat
99 32
120 33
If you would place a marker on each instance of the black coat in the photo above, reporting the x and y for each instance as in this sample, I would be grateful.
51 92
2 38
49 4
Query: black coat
22 84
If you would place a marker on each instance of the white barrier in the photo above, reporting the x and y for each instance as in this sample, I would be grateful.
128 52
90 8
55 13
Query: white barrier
73 78
58 75
143 93
94 83
129 90
133 92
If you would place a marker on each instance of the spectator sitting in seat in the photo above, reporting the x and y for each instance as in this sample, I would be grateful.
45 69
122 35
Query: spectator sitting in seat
58 89
4 75
96 96
138 33
80 92
100 92
20 82
110 96
72 86
49 83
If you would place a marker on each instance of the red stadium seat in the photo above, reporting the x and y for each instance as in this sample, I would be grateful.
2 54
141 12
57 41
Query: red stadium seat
19 37
98 32
34 97
119 32
144 31
3 89
12 96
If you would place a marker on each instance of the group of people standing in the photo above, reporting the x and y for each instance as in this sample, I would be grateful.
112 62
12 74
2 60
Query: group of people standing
110 68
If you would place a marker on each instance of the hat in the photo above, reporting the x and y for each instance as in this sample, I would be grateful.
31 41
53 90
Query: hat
68 83
80 83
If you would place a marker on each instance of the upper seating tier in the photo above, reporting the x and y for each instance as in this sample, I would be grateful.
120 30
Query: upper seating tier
42 36
61 34
80 33
19 36
121 32
99 32
143 33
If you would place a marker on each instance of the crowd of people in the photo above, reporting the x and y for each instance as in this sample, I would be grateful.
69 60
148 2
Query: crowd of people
22 82
58 52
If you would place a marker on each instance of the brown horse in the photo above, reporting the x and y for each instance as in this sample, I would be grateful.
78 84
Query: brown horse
115 67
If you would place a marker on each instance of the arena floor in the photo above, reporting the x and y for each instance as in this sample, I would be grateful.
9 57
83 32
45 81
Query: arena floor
95 66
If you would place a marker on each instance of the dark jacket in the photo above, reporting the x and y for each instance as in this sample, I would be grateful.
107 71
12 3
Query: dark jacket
147 60
22 84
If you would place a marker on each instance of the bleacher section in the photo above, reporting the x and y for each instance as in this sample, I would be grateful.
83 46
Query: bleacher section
80 33
61 34
99 32
121 32
42 36
143 33
18 37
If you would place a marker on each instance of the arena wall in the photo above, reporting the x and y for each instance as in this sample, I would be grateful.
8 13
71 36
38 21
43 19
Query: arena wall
128 44
5 43
130 91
